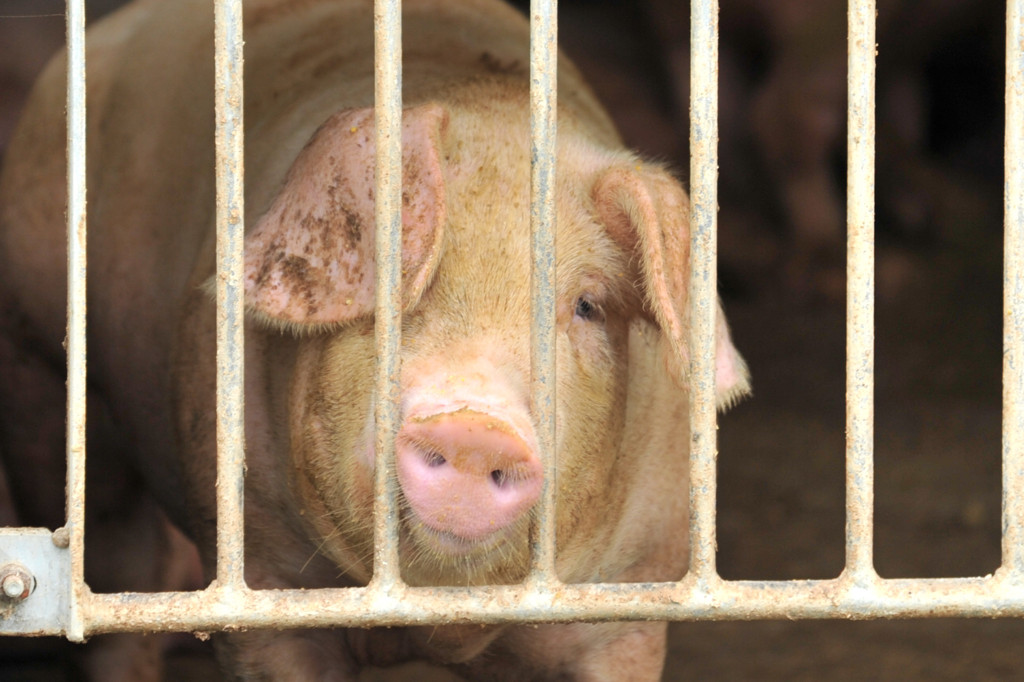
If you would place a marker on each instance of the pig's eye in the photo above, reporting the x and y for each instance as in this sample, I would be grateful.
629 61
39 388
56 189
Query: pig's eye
588 310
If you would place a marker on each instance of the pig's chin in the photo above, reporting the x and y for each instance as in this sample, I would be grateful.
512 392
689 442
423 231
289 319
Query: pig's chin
441 557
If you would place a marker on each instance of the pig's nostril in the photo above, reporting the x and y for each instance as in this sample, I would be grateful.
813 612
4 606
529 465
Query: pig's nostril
433 458
500 478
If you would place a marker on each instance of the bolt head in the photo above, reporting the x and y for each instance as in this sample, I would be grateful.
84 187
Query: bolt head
16 583
14 587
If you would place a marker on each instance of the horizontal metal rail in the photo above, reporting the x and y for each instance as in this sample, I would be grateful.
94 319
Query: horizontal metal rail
691 599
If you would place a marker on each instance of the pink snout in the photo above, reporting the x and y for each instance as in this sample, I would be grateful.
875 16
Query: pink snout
466 473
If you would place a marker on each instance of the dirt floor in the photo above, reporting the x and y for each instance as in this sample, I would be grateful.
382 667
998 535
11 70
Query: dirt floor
781 492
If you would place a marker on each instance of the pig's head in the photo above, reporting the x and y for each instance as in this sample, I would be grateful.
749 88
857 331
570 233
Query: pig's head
466 453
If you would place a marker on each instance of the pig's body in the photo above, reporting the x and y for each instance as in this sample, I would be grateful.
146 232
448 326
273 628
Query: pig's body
622 501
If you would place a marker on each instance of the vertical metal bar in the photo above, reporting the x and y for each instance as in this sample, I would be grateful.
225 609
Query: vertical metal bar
388 118
543 130
230 300
1013 296
860 293
703 302
76 178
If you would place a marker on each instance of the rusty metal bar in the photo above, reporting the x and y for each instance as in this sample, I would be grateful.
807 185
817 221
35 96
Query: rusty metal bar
76 344
860 294
1013 298
230 300
543 131
687 600
387 19
703 274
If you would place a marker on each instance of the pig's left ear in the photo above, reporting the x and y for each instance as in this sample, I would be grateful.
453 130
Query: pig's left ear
310 259
646 211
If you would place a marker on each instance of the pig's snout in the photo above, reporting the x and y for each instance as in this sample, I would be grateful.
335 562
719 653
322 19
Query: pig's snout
465 473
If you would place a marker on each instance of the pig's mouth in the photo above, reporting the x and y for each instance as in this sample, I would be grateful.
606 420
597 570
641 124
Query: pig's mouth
437 556
449 542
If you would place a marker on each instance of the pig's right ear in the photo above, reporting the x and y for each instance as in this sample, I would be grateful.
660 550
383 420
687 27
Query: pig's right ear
309 260
646 211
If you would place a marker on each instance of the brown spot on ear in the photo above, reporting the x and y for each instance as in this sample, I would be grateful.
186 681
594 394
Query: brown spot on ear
317 268
353 228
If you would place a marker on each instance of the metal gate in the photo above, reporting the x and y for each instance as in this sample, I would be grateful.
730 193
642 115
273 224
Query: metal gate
41 573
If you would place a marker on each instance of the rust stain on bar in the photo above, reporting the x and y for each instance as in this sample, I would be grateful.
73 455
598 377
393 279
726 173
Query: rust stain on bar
703 254
860 293
387 18
543 130
230 302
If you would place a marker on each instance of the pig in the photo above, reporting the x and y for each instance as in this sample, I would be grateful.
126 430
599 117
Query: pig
468 467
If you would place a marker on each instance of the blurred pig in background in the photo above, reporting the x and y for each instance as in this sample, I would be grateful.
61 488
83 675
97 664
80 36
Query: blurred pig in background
783 67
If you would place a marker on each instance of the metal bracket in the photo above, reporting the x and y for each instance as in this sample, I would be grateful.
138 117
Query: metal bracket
38 562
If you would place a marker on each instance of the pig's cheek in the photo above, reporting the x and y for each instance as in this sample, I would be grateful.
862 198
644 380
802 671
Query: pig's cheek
591 347
594 388
342 482
585 361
